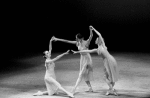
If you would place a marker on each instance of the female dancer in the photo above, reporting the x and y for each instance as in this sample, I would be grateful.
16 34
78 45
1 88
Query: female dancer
86 66
111 71
50 79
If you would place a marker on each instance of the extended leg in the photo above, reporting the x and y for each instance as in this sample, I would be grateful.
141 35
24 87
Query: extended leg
89 73
60 87
77 82
79 79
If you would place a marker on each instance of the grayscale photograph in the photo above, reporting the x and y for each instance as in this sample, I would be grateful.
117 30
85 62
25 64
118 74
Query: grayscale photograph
75 49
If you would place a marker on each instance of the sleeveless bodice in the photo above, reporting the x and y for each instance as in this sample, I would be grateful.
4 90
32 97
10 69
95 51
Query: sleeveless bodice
50 68
102 52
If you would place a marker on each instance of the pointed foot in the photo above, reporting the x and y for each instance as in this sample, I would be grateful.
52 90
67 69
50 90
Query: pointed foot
71 95
90 90
107 93
39 93
111 93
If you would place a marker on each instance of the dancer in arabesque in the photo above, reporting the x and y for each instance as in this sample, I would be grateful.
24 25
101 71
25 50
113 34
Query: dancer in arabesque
110 64
50 78
86 65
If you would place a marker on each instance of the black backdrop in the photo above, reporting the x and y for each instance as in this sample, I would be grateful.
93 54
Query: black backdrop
28 26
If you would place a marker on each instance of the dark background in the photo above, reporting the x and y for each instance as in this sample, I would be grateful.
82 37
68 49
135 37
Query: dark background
28 26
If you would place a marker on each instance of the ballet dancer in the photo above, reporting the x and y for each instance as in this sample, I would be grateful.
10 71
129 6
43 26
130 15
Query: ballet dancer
110 64
50 79
86 66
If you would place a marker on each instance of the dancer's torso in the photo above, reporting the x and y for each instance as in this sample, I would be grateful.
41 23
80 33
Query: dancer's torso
85 58
109 63
50 68
106 56
103 52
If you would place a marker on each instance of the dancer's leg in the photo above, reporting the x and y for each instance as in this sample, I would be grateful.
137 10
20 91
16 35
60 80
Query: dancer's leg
106 76
77 82
110 86
79 79
89 73
60 87
89 85
111 89
51 88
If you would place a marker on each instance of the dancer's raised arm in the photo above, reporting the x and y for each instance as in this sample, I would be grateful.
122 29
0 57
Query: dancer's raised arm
100 36
64 40
58 57
85 51
90 38
50 44
92 28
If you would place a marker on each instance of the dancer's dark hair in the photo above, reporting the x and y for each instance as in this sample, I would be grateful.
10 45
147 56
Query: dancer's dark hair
79 36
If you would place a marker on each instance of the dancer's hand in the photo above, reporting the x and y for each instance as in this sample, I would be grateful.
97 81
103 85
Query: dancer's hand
73 51
91 27
67 52
54 38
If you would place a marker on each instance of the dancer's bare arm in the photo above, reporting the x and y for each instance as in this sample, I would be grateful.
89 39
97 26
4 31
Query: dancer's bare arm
64 40
92 28
58 57
50 43
85 51
99 34
90 38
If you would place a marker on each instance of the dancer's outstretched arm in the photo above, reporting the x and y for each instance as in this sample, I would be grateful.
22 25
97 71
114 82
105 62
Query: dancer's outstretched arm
85 51
64 40
50 44
58 57
90 38
100 36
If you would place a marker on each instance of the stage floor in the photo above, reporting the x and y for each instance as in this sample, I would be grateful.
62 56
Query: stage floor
134 77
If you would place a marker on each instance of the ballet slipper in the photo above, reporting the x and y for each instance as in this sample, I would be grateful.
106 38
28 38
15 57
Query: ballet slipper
111 93
39 93
71 95
90 90
114 92
107 93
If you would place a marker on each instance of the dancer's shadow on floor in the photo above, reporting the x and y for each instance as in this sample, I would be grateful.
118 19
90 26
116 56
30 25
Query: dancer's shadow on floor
121 94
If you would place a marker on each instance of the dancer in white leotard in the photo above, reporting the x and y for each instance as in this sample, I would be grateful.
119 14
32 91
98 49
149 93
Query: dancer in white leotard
110 64
50 79
86 66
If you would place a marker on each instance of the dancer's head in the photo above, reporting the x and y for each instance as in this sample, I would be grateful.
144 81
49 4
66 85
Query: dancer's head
80 41
98 41
79 37
47 54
